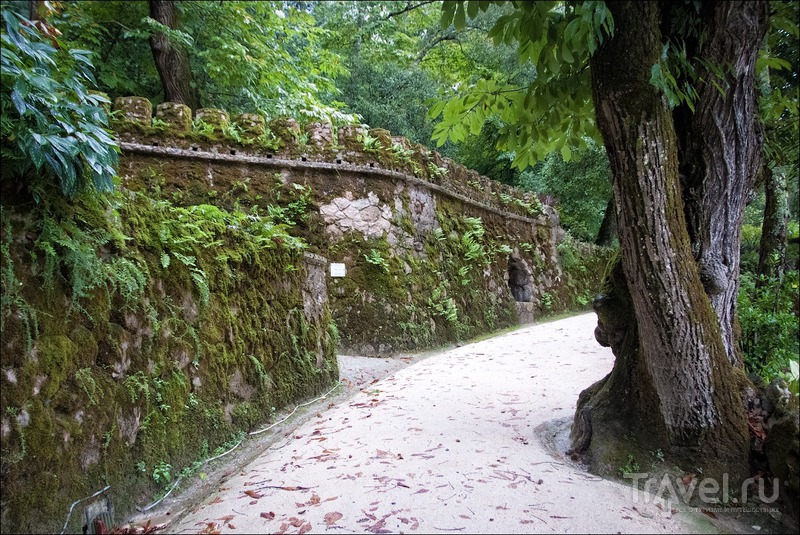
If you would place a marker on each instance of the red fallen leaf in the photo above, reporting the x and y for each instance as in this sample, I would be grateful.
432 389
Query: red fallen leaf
231 526
465 516
688 478
314 499
305 528
253 494
253 502
708 513
227 518
331 498
268 516
399 484
422 491
332 518
215 500
211 529
296 522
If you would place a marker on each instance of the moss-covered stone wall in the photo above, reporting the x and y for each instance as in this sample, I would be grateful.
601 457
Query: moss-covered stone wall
138 337
434 253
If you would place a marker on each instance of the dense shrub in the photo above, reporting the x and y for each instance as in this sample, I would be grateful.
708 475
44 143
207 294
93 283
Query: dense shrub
768 314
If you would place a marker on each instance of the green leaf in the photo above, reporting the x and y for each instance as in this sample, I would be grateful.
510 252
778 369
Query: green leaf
459 21
566 153
566 53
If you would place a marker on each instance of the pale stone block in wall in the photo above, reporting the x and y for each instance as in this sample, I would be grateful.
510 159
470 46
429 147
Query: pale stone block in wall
179 116
320 135
135 109
287 130
251 124
215 117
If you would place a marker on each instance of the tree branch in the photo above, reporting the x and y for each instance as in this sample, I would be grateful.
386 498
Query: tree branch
409 7
432 45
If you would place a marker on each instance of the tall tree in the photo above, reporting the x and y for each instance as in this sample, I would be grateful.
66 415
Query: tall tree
680 128
172 60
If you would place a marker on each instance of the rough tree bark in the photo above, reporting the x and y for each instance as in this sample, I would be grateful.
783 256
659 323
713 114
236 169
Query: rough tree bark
674 385
772 248
724 154
608 228
172 60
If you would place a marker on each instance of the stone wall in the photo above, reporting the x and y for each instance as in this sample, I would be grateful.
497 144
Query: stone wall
434 253
125 364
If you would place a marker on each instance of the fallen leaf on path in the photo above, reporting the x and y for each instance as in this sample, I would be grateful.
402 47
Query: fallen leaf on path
215 500
708 513
268 516
305 528
296 522
253 494
332 518
422 491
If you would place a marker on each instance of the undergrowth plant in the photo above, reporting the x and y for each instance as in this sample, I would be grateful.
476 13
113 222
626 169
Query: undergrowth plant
768 315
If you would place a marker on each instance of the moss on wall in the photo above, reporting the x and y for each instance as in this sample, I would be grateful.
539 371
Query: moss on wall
158 333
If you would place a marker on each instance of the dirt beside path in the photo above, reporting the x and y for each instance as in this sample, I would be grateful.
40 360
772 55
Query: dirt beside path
466 440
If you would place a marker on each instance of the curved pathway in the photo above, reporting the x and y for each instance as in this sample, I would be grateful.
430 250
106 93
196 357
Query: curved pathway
452 443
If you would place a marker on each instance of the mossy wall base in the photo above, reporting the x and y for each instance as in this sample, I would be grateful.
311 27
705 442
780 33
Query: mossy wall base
128 386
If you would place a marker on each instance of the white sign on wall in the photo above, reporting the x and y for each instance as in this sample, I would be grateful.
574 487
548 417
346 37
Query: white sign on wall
338 270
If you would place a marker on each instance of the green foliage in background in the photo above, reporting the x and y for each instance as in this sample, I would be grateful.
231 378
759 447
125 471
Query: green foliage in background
768 314
232 50
582 187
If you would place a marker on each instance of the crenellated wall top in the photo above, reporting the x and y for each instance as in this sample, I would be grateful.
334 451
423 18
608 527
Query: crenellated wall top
172 130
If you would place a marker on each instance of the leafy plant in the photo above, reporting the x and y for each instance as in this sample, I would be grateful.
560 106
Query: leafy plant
443 306
86 381
374 257
162 473
51 122
769 322
370 144
401 153
435 171
631 467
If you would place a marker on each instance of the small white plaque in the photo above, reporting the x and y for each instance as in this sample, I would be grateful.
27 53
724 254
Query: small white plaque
338 270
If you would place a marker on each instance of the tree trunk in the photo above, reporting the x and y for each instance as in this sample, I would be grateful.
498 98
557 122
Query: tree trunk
724 154
772 248
675 386
608 228
172 60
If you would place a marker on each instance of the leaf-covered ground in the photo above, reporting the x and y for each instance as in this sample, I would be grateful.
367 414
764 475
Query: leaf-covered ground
461 441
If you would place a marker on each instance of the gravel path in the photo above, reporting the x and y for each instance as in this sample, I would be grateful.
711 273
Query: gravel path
467 440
